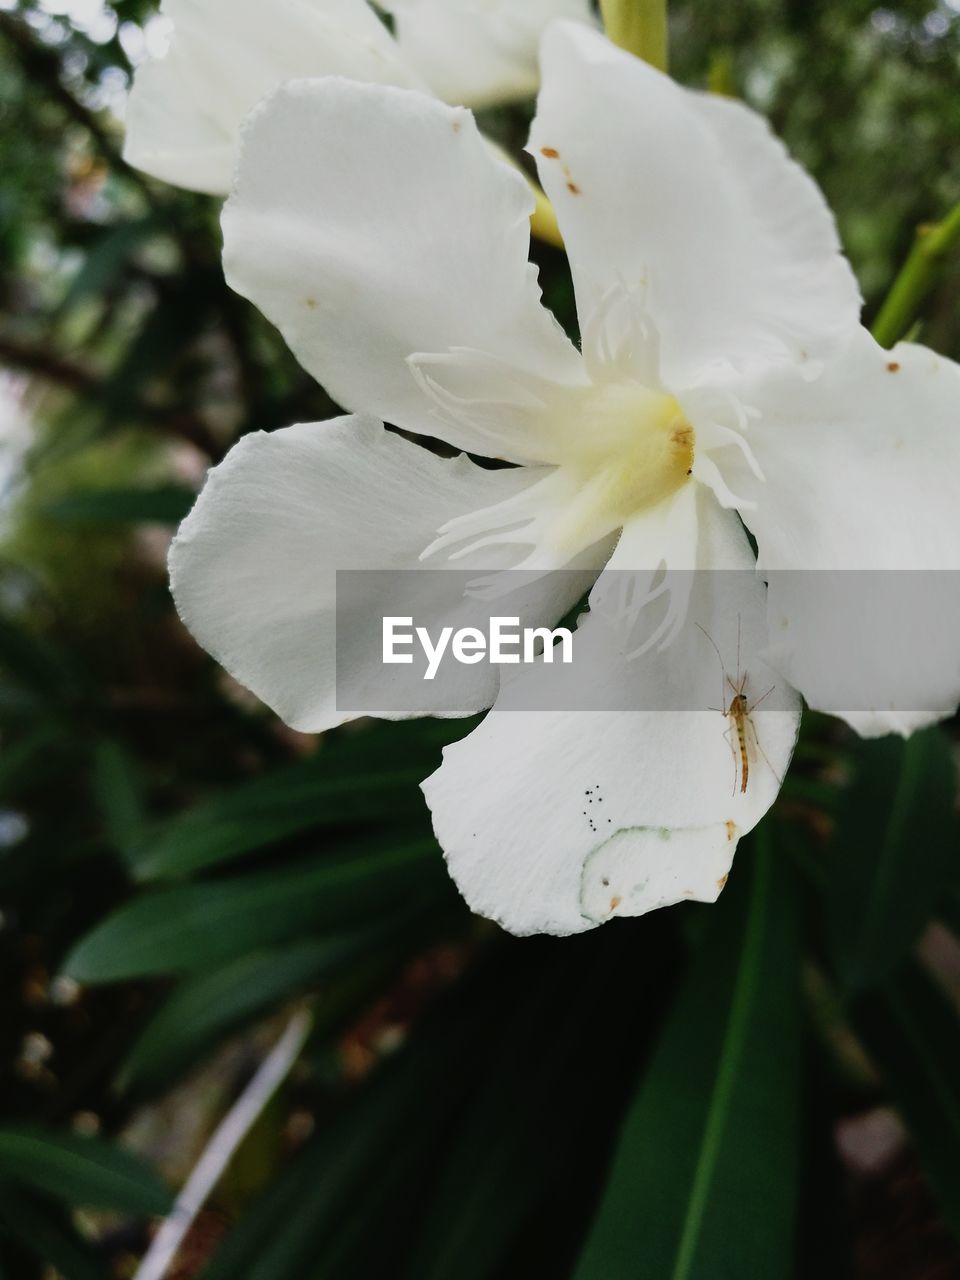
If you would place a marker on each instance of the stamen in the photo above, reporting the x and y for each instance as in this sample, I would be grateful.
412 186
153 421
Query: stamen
707 472
620 339
520 509
716 436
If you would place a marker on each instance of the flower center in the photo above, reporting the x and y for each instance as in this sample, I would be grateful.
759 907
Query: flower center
629 448
620 448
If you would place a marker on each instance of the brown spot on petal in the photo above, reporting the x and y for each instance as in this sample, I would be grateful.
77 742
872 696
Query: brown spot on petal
721 882
574 189
550 152
893 366
614 903
457 126
731 830
311 303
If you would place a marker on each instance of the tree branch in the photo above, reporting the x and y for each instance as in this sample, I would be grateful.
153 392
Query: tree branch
79 378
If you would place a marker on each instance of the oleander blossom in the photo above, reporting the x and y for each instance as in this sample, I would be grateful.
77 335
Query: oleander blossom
186 109
724 381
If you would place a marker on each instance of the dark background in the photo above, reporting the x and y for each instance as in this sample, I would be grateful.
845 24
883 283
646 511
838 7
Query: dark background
764 1089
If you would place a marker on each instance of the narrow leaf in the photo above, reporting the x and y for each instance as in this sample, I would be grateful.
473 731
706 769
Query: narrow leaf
704 1181
107 259
911 1031
81 1171
45 1230
206 1007
163 504
118 788
526 1133
893 853
191 927
313 793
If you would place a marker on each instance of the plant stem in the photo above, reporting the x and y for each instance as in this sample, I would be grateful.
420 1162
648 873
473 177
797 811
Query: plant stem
721 75
640 27
919 274
42 67
221 1148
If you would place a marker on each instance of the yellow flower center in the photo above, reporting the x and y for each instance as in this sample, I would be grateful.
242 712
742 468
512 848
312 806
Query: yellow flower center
618 449
625 449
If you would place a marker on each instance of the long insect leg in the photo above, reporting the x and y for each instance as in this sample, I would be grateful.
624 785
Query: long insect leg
723 672
752 709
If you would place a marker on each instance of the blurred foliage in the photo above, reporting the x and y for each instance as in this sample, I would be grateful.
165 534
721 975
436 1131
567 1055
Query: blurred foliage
688 1096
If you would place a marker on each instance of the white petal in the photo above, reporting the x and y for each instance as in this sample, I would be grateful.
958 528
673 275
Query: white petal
655 560
185 110
689 197
253 567
554 821
494 408
478 53
372 225
860 472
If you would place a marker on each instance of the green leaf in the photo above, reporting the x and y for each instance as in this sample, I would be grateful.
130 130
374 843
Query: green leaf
81 1171
118 788
162 504
912 1033
48 1234
494 1108
322 791
208 1006
554 1082
34 662
892 855
191 927
153 351
19 759
106 260
506 1152
703 1183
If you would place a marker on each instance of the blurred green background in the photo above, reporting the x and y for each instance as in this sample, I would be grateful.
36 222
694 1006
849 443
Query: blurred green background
766 1088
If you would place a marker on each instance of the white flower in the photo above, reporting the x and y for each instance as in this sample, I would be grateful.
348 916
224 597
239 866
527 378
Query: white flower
185 110
723 371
